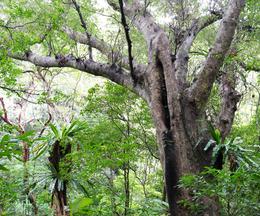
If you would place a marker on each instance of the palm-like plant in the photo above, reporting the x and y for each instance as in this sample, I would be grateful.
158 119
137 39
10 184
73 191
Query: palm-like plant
232 150
59 164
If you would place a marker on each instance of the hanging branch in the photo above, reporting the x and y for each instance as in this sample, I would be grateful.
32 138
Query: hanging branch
17 90
45 125
83 24
5 115
18 26
6 119
128 40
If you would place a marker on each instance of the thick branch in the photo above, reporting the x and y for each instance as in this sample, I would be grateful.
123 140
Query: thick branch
104 48
111 72
200 90
140 17
84 39
229 99
182 55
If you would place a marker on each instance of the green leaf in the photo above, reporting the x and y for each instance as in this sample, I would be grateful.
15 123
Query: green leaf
79 204
55 131
25 136
209 144
6 138
40 152
3 168
215 133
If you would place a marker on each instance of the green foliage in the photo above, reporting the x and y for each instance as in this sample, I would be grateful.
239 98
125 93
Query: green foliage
8 193
152 206
81 206
66 132
65 135
7 146
8 70
119 135
237 192
250 132
233 147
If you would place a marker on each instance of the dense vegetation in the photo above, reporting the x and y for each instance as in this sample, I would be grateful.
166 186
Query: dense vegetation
173 129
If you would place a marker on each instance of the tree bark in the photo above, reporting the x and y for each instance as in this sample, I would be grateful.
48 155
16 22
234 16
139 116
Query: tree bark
59 202
126 188
230 98
181 154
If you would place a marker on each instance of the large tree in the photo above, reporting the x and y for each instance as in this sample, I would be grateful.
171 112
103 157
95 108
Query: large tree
177 103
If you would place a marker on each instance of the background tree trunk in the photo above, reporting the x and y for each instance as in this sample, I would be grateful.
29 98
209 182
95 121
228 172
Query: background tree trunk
26 184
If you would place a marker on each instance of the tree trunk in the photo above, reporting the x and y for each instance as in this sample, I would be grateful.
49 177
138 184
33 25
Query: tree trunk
26 184
178 107
181 154
127 188
59 202
110 178
179 125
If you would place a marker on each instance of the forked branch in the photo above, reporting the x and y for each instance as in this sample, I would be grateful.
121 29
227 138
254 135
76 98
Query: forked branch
104 48
182 55
200 89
